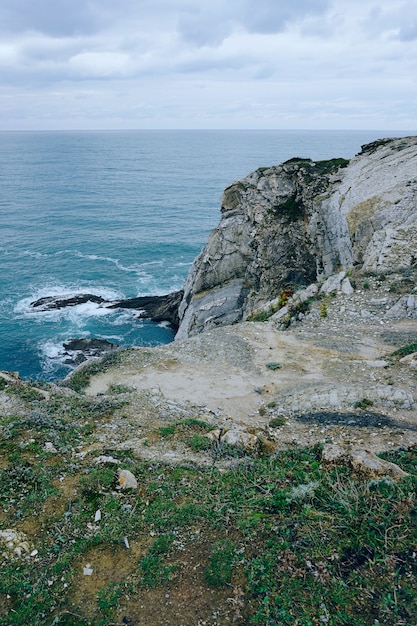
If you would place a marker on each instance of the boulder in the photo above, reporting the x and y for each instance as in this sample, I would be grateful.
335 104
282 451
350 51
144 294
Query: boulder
361 461
157 308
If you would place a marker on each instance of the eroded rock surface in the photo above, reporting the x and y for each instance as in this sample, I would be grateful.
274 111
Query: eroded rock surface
290 225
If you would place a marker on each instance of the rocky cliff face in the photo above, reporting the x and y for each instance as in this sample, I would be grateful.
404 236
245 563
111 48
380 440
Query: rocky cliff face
290 225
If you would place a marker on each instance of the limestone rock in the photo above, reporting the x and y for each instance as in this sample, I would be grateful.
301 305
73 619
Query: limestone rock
236 437
15 543
126 480
361 461
240 439
333 283
410 360
294 224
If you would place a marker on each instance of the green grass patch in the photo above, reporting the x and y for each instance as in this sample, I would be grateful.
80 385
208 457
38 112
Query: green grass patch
363 404
409 348
167 431
219 569
305 544
80 379
199 443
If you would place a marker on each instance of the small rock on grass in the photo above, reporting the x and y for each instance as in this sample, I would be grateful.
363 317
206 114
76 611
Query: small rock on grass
126 480
361 461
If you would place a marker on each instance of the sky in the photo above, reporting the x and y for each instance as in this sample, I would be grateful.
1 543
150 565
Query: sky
209 64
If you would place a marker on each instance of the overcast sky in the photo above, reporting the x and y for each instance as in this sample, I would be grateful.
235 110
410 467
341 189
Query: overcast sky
291 64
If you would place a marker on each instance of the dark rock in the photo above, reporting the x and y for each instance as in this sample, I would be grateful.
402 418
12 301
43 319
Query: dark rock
92 344
50 303
156 308
79 350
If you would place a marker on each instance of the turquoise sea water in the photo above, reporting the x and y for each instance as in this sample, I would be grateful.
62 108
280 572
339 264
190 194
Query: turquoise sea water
117 214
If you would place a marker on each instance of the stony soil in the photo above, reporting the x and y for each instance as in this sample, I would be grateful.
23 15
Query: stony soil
325 367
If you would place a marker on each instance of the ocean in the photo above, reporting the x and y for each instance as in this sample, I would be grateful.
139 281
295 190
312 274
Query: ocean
117 214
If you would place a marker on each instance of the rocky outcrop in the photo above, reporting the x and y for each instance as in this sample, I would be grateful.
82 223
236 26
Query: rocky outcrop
50 303
81 349
294 224
157 308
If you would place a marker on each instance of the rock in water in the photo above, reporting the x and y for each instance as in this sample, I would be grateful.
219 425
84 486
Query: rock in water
79 350
50 303
293 224
157 308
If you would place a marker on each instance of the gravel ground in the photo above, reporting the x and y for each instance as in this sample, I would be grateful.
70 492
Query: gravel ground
325 378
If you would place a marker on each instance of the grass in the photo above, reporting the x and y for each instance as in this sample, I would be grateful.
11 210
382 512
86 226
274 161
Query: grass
219 569
287 540
363 404
80 379
409 348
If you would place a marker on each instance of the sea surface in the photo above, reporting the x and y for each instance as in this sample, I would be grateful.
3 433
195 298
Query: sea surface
117 214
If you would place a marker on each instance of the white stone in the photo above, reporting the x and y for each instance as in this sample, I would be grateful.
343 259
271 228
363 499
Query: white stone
346 287
240 439
410 360
333 283
126 479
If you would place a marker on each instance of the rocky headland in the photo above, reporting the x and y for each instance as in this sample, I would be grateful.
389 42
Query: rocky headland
297 327
290 316
292 225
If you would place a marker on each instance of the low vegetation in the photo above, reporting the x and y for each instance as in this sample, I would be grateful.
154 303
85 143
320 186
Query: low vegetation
271 540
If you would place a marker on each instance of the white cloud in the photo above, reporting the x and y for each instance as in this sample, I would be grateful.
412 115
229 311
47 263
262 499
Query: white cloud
292 63
99 64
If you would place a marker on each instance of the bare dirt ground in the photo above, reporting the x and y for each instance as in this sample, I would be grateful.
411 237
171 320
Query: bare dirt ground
328 378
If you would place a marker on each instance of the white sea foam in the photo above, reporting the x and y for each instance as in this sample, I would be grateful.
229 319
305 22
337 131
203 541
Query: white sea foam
87 309
134 268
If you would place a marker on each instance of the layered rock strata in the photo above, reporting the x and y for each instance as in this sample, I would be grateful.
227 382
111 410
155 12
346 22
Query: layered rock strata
291 225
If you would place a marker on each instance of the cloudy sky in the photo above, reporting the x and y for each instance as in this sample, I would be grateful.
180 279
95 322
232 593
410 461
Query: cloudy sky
296 64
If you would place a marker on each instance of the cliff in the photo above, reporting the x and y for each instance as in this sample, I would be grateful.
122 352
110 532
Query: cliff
291 225
195 481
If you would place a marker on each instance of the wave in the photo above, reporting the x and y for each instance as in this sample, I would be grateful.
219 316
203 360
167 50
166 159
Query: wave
24 309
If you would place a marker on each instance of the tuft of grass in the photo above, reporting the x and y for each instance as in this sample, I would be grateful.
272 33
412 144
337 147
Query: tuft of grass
167 431
199 443
363 404
277 422
219 569
273 365
405 350
153 570
195 423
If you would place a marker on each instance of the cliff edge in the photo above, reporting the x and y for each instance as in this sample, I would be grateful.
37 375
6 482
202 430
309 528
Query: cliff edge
288 226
